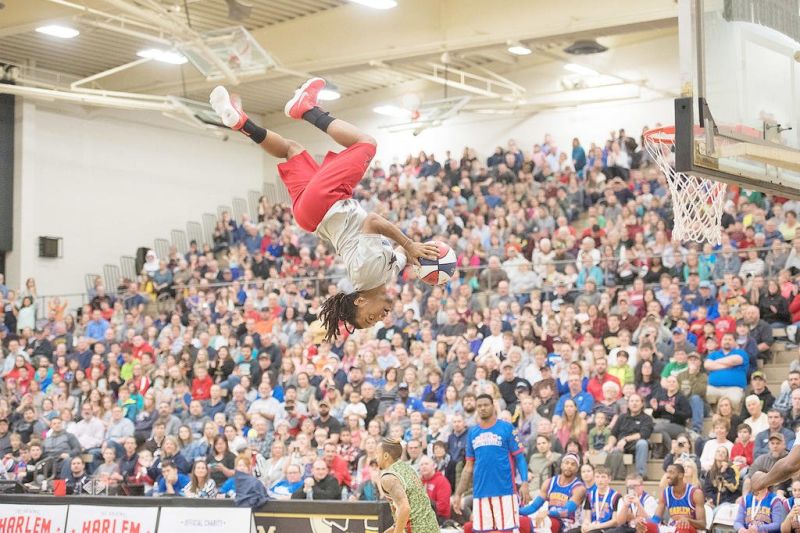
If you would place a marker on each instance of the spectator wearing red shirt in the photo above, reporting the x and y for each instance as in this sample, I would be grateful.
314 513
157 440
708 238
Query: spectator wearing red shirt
744 444
601 376
201 384
437 487
725 323
339 467
139 347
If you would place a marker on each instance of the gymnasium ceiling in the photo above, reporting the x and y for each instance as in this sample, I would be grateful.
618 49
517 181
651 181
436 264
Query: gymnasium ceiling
357 48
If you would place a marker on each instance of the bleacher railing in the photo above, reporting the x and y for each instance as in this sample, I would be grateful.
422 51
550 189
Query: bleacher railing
607 267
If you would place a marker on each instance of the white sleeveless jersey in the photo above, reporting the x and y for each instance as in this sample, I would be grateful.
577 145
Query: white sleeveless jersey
370 259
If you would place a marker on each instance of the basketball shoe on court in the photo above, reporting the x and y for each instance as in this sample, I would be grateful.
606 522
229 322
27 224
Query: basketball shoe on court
304 99
228 108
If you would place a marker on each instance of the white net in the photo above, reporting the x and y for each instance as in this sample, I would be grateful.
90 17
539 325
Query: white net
697 202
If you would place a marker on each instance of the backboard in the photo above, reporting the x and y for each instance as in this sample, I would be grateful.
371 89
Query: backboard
737 121
226 53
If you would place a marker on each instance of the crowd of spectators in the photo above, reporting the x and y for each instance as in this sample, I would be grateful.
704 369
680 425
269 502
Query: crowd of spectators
572 307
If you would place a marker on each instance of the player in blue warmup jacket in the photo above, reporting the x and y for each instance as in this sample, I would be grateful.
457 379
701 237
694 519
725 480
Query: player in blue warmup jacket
494 457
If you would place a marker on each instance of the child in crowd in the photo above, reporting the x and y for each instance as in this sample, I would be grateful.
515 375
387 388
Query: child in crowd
744 445
621 369
598 435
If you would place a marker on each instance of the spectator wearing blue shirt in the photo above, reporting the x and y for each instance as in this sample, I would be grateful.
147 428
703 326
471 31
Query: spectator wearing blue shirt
578 156
252 239
172 482
727 371
283 489
411 403
97 326
433 393
582 399
775 425
706 299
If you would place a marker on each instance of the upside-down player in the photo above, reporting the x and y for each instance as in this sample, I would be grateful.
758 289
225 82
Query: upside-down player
494 457
322 203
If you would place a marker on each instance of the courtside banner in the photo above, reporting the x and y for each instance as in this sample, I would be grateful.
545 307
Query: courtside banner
111 519
24 518
204 520
304 516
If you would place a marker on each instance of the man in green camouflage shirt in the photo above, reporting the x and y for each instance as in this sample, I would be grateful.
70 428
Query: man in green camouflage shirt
401 485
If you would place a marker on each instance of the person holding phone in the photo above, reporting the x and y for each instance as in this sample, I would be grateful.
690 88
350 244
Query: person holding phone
791 523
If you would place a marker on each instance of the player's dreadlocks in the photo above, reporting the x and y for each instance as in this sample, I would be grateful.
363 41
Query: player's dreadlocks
338 308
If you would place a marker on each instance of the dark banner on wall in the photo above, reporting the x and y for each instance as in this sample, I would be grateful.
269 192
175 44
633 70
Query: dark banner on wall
323 517
6 172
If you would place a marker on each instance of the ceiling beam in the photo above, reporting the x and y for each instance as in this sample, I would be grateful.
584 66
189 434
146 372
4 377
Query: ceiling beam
418 28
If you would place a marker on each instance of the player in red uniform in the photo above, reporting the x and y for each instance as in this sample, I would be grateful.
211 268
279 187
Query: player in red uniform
322 203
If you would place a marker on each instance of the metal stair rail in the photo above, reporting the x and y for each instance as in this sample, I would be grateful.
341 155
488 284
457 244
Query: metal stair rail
209 223
111 276
240 209
253 198
161 246
194 230
89 280
179 241
127 265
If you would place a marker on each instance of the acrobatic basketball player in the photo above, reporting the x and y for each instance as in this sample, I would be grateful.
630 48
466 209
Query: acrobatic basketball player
322 203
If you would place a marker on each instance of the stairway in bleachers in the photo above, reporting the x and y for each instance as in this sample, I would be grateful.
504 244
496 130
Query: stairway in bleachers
202 232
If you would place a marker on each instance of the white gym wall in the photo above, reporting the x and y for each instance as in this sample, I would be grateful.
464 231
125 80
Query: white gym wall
108 182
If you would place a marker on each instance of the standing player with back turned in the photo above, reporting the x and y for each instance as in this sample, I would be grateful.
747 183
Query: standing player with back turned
494 456
402 486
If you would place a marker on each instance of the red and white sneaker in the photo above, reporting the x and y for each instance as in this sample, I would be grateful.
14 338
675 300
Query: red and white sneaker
228 108
304 98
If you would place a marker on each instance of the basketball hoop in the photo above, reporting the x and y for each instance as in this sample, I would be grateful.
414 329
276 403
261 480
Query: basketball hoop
697 202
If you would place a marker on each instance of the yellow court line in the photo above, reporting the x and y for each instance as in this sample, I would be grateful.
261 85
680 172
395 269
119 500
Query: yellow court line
323 515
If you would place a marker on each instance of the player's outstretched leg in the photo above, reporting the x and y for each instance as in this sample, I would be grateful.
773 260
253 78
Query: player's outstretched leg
230 111
303 106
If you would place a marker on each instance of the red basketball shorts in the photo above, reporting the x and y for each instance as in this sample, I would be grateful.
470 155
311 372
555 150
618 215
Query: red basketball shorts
315 188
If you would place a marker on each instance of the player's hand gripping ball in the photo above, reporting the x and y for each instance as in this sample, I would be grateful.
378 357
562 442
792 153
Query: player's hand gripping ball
440 270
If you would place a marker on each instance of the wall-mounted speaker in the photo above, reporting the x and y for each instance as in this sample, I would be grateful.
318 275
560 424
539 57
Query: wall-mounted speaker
50 247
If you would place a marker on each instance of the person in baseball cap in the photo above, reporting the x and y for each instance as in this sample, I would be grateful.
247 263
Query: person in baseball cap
758 386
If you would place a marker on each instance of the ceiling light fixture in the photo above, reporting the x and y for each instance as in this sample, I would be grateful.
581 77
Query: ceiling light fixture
392 111
57 30
376 4
580 69
164 56
330 92
518 49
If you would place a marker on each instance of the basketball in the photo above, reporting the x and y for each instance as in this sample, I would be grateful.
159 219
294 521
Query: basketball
437 271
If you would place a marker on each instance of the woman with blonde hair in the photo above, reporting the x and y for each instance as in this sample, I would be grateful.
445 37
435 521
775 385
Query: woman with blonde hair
572 426
411 378
722 483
